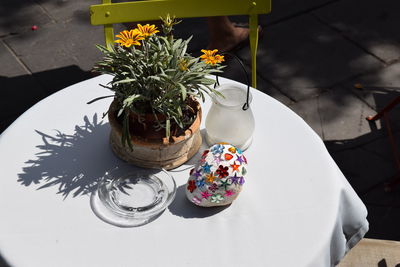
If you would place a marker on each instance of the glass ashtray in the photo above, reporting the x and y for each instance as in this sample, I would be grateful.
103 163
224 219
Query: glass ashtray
133 196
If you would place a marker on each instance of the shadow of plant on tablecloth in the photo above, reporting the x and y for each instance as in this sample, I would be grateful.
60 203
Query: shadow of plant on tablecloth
72 162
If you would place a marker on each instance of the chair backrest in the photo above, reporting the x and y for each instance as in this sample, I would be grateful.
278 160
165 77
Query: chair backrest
109 13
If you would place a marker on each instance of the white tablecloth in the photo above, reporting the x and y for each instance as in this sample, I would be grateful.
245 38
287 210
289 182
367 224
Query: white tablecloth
296 208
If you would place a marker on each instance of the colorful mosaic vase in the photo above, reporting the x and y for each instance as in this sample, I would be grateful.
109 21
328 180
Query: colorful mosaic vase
218 177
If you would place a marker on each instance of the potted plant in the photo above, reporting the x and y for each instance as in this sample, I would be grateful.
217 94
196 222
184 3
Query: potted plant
155 116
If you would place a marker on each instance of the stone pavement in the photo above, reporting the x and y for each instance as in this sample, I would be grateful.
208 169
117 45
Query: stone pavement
310 56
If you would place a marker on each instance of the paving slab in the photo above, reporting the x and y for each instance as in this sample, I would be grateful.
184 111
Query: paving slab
335 114
378 90
267 88
63 10
379 87
363 169
58 45
234 71
369 23
302 56
343 115
308 110
19 16
285 9
9 66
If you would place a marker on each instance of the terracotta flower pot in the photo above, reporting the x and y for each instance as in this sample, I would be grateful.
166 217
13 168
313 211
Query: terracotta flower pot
150 149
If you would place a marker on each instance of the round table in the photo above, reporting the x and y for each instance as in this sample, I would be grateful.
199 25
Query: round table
296 207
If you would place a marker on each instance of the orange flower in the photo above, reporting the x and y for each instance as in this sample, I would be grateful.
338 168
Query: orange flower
147 30
210 57
129 38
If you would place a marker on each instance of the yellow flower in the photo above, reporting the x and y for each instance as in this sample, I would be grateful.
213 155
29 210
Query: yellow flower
210 57
147 30
129 38
183 65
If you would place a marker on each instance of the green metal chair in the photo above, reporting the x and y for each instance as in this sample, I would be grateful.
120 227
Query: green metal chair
109 13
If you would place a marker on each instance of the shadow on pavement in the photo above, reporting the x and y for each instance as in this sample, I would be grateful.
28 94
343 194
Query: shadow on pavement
368 164
21 92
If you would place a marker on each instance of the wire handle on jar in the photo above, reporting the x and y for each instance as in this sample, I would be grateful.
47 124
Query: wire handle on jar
245 105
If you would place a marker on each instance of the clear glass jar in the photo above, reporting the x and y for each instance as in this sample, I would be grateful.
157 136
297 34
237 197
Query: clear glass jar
227 121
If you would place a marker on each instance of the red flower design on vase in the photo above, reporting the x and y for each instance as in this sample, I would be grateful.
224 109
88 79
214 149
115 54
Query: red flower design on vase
222 171
191 186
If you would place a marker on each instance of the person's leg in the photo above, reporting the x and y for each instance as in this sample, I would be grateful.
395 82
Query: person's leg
224 36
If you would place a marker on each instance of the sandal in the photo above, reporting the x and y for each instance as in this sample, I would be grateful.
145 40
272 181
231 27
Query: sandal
244 42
